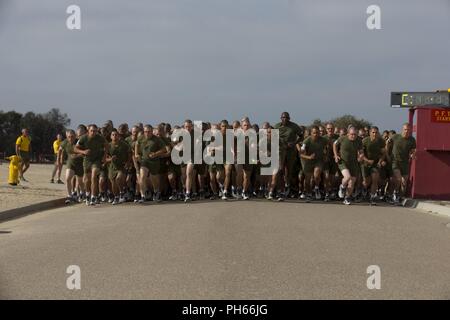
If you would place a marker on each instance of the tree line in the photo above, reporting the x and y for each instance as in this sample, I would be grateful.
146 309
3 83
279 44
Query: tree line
43 128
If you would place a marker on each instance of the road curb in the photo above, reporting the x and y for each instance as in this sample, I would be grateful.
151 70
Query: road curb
27 210
428 207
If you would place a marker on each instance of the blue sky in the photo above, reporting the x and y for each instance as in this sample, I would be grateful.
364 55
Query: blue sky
167 60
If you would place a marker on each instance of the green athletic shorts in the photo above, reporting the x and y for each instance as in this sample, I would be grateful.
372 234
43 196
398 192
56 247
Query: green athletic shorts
367 170
77 168
330 166
215 167
310 165
153 166
89 165
353 168
402 166
113 172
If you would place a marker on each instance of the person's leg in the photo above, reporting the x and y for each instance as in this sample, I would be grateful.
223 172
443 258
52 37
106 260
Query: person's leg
95 181
247 173
265 182
282 175
367 182
59 170
227 180
317 178
213 181
346 177
374 179
143 173
291 169
155 178
246 179
69 176
184 177
27 165
220 176
55 169
396 180
114 185
239 179
404 185
87 181
103 182
273 183
173 184
120 182
137 191
308 186
201 178
350 186
79 184
189 178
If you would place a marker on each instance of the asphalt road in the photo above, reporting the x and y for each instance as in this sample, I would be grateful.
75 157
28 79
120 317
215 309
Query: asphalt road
233 250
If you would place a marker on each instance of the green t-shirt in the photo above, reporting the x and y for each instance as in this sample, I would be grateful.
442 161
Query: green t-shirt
96 144
373 150
149 145
318 147
122 152
68 150
331 139
402 147
131 143
289 133
166 142
348 149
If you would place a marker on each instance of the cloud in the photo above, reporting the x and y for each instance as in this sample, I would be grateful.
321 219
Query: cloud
207 60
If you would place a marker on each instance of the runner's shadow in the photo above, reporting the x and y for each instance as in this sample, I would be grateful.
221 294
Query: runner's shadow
5 232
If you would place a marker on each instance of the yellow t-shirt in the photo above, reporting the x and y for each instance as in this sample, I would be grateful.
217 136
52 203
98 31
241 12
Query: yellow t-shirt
23 143
56 145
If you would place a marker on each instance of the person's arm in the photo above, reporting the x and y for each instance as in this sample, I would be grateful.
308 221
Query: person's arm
362 157
129 161
303 154
299 148
18 150
299 134
137 156
158 153
78 150
106 152
382 161
337 156
59 156
412 154
167 151
108 157
389 146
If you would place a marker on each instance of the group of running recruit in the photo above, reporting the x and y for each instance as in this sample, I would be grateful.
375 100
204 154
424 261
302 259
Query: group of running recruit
320 163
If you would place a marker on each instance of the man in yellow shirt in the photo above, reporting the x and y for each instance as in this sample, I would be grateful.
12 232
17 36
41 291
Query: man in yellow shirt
23 150
58 162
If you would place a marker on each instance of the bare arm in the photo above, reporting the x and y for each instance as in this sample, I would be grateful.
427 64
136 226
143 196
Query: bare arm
337 157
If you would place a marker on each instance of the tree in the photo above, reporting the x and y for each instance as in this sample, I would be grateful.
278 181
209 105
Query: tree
317 122
9 127
346 120
43 129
